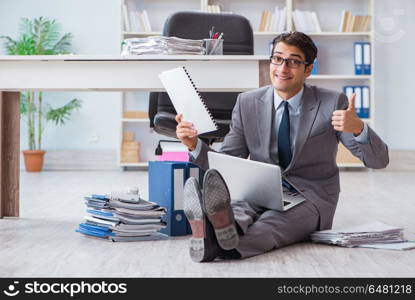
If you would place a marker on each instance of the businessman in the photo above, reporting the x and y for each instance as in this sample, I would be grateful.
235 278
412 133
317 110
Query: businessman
289 123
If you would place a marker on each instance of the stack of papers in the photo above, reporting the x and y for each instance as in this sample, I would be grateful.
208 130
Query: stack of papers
162 45
370 235
122 217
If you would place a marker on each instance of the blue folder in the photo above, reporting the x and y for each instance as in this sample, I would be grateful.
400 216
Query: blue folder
367 61
314 70
365 101
358 58
94 231
349 90
362 100
166 181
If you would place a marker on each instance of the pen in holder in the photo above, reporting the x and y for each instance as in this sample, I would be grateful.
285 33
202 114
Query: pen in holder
214 46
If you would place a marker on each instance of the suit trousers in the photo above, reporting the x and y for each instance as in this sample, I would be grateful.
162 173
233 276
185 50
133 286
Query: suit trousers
263 230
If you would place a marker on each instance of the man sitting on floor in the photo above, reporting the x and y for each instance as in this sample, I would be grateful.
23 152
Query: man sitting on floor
291 124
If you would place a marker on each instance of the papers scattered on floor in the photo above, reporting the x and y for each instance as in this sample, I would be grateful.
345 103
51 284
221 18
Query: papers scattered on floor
392 246
370 235
162 45
122 217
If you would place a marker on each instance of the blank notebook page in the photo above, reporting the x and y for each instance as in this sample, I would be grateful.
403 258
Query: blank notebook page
187 100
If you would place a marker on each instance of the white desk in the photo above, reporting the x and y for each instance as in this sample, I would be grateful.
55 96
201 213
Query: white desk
102 73
109 73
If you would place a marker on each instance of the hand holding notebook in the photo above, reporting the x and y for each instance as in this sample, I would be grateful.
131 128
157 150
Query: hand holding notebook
187 100
186 133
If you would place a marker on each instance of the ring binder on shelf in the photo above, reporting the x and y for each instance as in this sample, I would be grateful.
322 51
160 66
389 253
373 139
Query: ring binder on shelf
366 59
362 101
358 58
187 100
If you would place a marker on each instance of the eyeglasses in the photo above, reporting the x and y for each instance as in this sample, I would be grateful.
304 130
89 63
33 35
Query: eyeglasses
291 63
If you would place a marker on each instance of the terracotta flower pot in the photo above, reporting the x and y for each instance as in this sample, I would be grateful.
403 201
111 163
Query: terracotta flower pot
33 160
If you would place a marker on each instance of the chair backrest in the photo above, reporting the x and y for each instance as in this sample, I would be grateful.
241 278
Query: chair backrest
238 40
237 31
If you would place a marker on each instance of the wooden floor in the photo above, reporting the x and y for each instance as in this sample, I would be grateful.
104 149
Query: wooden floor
43 241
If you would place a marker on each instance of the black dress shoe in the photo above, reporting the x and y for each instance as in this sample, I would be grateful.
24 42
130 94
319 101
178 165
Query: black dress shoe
203 243
217 206
229 254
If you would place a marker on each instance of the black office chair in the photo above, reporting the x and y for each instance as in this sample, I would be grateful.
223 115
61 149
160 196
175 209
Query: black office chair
238 40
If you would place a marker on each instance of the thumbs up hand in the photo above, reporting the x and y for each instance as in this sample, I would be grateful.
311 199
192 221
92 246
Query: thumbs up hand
347 120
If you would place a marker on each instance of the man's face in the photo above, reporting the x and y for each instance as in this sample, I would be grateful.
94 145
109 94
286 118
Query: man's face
286 79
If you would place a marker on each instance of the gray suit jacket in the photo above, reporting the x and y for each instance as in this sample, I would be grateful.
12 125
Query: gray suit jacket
313 170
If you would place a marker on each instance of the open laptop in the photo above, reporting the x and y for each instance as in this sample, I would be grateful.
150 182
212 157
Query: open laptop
256 182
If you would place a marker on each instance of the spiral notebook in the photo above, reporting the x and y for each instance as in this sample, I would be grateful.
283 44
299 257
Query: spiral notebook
187 100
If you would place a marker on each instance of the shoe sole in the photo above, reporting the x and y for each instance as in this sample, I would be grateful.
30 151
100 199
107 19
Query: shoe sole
218 210
201 248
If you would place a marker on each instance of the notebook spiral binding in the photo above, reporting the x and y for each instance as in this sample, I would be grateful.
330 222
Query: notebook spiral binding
201 98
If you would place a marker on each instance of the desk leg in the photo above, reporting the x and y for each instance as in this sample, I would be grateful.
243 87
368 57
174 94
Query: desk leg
9 153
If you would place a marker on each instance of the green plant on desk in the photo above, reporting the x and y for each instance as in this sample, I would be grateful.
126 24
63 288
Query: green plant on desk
40 36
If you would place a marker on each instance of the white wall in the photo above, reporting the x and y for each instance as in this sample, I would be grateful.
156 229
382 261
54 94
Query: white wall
395 65
96 27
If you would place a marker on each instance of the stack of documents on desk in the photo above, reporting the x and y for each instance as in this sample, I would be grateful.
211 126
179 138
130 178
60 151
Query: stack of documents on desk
162 45
370 235
122 217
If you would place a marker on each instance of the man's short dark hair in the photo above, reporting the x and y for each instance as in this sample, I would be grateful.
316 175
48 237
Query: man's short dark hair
299 40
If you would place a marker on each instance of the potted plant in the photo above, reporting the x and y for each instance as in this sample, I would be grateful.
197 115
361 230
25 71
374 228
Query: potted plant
40 36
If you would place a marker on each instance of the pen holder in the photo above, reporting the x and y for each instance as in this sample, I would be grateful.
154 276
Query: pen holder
213 46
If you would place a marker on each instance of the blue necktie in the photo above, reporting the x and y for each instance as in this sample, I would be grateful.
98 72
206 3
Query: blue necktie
284 147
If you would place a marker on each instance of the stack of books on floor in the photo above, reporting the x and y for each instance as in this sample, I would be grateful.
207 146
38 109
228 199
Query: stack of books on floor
122 217
162 45
370 235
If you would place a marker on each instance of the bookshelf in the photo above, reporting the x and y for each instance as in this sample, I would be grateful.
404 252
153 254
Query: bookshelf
140 129
335 67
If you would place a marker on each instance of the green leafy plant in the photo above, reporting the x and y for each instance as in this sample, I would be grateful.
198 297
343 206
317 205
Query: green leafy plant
40 36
